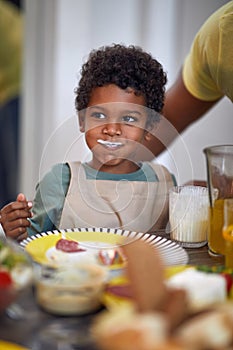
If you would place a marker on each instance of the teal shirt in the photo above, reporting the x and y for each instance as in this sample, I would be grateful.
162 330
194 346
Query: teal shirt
52 190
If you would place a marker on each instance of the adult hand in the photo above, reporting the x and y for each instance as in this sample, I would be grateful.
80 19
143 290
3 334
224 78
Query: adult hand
14 218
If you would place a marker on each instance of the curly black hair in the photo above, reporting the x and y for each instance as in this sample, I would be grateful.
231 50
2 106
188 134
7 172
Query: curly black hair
126 67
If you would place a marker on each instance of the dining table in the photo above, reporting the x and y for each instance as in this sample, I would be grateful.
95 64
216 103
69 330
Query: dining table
27 324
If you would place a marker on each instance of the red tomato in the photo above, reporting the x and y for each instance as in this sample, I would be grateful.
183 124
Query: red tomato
5 279
228 279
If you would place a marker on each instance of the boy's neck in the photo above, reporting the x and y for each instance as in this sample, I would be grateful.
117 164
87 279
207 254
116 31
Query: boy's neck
116 169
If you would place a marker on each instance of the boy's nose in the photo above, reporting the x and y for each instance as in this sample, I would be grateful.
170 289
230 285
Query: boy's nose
112 129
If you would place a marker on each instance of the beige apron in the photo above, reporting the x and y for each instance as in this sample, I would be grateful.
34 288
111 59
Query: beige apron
142 206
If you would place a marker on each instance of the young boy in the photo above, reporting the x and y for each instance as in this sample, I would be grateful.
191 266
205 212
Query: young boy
118 101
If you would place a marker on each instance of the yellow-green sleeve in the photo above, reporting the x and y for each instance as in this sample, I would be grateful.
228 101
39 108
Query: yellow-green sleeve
208 68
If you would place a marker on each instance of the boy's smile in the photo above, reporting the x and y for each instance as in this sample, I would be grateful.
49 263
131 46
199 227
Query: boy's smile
110 144
114 125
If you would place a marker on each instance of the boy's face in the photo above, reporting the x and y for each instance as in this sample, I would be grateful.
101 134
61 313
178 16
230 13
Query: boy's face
114 124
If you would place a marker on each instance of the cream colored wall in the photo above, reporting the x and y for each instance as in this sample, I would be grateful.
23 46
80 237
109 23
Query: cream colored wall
60 33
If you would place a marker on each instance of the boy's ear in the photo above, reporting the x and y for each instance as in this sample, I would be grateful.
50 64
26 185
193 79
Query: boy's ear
149 131
147 136
81 118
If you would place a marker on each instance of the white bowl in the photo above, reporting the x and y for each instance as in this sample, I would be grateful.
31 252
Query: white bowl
70 289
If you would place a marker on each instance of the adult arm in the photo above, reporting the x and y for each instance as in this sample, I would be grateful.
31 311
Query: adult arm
181 109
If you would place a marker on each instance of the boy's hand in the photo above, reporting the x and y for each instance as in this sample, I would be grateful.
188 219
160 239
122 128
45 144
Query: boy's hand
14 218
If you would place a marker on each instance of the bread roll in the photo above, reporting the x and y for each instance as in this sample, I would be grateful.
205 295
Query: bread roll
125 329
210 330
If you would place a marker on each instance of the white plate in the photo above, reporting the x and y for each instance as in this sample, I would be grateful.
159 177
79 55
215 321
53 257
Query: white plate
39 246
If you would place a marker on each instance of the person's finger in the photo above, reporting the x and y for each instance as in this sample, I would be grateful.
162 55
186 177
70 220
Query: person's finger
21 222
16 228
21 197
14 215
18 234
14 206
22 236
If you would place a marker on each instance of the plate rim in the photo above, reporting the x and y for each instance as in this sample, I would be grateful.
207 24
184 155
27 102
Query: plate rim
153 239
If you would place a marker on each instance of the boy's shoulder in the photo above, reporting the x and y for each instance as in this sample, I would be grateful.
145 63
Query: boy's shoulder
59 172
65 169
65 166
161 171
59 167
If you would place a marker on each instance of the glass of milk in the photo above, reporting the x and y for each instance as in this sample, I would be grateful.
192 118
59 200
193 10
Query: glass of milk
188 215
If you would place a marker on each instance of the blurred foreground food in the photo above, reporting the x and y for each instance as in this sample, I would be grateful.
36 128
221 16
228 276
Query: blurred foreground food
162 316
15 272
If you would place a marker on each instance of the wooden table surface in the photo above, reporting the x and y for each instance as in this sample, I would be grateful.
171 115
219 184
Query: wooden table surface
200 256
197 256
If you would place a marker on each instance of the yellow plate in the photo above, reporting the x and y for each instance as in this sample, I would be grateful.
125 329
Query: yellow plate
4 345
37 248
38 245
173 270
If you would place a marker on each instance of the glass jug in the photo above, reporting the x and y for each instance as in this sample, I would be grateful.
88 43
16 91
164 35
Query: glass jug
219 161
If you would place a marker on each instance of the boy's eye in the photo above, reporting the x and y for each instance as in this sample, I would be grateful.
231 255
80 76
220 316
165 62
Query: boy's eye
98 115
129 119
124 119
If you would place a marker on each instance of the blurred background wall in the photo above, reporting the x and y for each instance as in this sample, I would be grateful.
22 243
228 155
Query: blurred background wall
11 48
58 37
